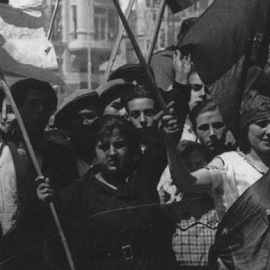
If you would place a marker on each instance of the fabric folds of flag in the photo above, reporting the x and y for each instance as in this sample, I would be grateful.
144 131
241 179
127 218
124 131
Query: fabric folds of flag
224 42
243 237
179 5
24 48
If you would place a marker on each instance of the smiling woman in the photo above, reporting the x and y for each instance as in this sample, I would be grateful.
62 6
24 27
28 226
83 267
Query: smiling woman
231 173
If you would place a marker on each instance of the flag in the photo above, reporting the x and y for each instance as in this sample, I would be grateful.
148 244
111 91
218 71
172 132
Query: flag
225 41
179 5
243 236
24 48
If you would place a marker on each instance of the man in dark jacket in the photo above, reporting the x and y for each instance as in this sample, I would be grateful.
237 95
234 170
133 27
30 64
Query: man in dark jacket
36 101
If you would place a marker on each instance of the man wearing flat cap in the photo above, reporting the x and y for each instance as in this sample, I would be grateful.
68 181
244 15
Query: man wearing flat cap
111 95
76 116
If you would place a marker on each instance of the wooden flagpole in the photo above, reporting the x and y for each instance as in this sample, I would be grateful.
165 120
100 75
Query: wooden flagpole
29 146
117 43
156 30
31 151
172 153
139 54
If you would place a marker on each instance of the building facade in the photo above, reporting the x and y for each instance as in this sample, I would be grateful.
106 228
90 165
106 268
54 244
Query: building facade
83 36
85 30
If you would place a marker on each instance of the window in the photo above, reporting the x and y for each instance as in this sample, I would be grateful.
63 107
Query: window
57 29
105 23
154 14
152 3
130 53
74 20
112 24
100 23
162 43
156 3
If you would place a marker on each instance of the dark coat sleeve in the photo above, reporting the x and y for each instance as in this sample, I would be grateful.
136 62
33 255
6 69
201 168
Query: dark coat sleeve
180 94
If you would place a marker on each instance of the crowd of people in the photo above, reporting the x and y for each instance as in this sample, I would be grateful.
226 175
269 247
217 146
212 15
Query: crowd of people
123 201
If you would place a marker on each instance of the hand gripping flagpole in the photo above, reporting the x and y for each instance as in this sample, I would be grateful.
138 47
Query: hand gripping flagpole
29 146
117 43
156 30
172 153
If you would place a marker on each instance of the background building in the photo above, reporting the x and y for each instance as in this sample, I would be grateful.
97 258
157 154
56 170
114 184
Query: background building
85 30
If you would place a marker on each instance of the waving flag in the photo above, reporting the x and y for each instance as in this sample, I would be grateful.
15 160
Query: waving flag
243 237
225 42
179 5
24 48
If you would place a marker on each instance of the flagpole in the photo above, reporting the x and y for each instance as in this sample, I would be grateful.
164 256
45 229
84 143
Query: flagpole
172 153
29 146
117 43
53 19
139 54
156 30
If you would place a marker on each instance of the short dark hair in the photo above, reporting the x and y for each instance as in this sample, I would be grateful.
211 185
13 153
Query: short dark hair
105 125
202 107
186 147
138 92
20 90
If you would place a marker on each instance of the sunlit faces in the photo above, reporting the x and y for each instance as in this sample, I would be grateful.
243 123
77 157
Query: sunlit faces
198 92
111 153
259 136
36 110
141 112
211 129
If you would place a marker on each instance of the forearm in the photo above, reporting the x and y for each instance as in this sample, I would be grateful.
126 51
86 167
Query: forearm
180 94
197 182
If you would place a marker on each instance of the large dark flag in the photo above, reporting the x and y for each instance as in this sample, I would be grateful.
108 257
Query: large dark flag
226 40
243 237
179 5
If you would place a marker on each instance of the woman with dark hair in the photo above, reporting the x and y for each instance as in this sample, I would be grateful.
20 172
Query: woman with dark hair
112 215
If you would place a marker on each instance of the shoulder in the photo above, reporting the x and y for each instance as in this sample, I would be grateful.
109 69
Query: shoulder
224 159
166 53
75 190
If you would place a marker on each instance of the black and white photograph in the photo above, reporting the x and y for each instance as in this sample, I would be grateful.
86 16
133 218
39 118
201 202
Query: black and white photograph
134 134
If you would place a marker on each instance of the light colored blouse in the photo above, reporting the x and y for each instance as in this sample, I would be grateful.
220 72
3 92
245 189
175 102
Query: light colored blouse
231 179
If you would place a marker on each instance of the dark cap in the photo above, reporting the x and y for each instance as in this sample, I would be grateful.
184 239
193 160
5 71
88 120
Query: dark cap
254 107
113 90
78 100
21 88
129 73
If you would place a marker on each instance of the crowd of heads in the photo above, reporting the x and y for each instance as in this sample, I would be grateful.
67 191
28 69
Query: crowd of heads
107 130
